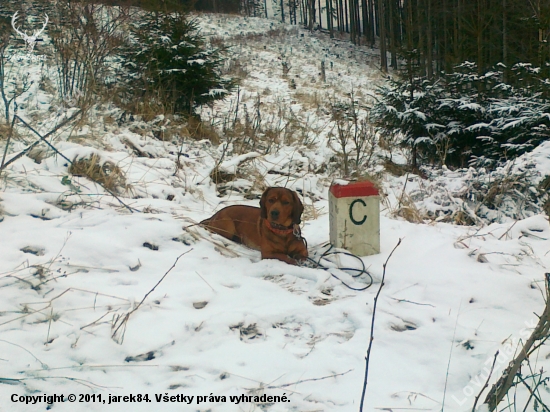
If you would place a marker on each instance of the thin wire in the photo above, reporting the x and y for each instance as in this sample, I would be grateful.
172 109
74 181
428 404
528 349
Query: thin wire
355 273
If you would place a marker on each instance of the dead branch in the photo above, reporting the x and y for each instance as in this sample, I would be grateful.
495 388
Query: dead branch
42 138
501 387
28 126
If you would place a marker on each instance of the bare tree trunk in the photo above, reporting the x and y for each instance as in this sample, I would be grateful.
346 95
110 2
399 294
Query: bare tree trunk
352 22
330 22
504 41
421 51
311 13
346 15
409 28
340 16
445 53
393 46
457 28
382 28
365 17
372 23
429 42
480 11
357 21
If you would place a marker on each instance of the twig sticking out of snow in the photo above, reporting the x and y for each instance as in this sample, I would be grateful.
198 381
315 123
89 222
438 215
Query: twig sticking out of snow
486 382
367 358
119 322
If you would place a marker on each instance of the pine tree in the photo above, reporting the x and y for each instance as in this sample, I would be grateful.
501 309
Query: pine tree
169 60
467 118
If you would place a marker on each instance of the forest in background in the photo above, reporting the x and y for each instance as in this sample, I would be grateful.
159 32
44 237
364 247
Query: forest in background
434 35
429 37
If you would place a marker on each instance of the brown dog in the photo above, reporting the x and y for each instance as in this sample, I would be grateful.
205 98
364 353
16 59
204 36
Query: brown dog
273 228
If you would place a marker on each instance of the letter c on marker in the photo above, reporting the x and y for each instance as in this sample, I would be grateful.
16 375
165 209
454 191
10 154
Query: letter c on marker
357 222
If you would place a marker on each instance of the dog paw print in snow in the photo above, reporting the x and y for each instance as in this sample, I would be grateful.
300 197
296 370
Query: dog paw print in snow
200 305
150 246
247 333
185 238
141 358
35 250
403 326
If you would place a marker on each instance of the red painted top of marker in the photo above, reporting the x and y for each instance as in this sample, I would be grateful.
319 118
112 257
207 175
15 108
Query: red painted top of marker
354 189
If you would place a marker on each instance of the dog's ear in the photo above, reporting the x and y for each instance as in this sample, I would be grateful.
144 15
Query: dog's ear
298 208
263 207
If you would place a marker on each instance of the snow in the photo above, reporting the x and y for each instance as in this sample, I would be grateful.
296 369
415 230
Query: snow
74 262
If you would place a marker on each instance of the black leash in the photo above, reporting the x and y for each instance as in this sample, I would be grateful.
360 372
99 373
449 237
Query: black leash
353 272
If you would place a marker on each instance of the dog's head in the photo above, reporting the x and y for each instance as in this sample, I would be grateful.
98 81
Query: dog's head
282 206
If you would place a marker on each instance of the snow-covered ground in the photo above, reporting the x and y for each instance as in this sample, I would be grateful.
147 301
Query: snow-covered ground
98 300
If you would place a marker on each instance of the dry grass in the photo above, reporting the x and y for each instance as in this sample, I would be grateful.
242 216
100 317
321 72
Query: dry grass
217 42
199 130
544 185
107 174
408 210
310 211
462 218
5 131
248 171
257 37
148 108
309 100
47 85
218 176
396 169
38 154
235 69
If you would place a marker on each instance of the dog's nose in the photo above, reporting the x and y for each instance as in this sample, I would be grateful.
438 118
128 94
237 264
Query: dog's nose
274 214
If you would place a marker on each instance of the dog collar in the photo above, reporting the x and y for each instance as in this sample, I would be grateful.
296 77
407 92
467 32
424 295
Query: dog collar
294 229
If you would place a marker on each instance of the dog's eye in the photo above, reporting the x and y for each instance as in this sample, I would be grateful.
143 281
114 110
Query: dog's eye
271 200
284 202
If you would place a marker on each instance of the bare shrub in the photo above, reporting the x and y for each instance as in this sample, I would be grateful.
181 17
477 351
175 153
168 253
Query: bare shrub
14 82
235 69
200 130
355 137
408 210
395 168
85 37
